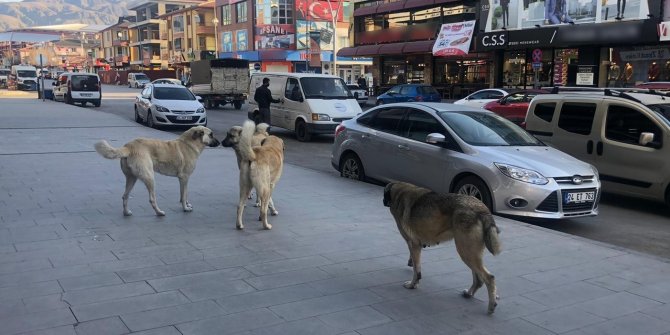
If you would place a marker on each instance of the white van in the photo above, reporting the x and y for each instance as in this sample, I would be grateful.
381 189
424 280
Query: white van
78 87
310 103
23 77
625 135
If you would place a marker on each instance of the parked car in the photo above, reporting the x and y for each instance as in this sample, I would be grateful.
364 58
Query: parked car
482 97
171 81
360 94
137 80
626 135
78 87
655 85
408 93
514 106
466 150
169 105
4 75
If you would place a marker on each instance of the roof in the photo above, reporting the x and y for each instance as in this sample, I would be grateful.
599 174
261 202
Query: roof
143 3
295 75
205 6
644 98
441 106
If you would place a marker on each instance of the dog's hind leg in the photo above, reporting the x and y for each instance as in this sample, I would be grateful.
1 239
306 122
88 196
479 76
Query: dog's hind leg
149 183
183 194
130 183
415 256
245 188
264 194
273 210
472 255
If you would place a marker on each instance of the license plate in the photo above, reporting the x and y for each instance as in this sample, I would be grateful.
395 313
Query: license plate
579 197
86 94
183 118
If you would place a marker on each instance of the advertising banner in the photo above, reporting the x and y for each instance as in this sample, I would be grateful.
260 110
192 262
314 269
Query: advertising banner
242 43
520 14
454 39
319 10
275 36
227 41
305 28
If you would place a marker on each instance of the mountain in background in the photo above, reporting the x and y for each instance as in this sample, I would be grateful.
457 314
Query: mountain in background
31 13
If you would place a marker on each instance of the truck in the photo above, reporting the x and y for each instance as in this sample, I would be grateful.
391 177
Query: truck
23 77
220 81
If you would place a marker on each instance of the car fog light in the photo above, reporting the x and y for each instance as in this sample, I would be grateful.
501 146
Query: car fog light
518 203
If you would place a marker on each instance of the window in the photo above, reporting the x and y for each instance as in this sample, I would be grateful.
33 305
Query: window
200 19
514 98
188 20
625 125
189 43
545 111
202 43
241 9
394 89
225 15
406 90
292 91
427 90
398 19
388 120
285 13
178 24
577 117
177 43
480 95
427 16
419 124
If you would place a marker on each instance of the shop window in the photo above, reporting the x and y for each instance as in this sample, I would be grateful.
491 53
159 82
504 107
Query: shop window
577 117
462 72
398 19
625 125
225 15
177 44
374 23
427 16
545 111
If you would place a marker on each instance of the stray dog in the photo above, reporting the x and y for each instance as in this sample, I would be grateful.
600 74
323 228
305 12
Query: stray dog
425 218
260 168
141 157
232 140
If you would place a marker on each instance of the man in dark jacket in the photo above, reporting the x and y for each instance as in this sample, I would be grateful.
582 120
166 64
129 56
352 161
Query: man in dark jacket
263 97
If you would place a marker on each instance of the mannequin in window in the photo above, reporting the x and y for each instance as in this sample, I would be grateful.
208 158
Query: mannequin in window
628 73
653 72
667 70
614 73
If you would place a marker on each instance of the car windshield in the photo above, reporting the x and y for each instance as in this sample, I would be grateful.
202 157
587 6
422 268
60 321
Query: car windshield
4 72
662 110
141 77
173 93
487 129
85 83
324 88
26 73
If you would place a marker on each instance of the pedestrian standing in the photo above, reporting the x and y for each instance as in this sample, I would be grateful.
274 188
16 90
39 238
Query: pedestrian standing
263 97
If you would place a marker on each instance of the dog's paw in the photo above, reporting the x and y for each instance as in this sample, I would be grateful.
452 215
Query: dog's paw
188 208
492 307
240 226
466 294
410 285
274 212
267 226
160 213
128 213
258 204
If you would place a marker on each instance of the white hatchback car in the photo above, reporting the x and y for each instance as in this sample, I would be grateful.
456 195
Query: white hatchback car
169 105
482 97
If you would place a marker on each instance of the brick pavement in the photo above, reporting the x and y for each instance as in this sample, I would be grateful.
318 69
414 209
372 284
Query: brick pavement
334 263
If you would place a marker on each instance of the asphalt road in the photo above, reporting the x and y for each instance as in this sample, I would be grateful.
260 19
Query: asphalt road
627 222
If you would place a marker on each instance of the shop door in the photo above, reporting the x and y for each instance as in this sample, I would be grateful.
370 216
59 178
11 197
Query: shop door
347 75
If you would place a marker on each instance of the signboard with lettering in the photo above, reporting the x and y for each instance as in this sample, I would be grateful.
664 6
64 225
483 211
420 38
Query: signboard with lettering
275 36
454 39
584 76
648 54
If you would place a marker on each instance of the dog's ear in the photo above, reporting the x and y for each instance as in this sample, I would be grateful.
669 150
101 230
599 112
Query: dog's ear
198 134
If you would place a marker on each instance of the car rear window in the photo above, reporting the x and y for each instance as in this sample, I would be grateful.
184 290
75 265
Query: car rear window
85 83
427 90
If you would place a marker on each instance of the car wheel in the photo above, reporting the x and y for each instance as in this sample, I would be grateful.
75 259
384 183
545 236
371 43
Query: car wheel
138 119
475 187
97 103
150 120
137 85
237 104
68 100
301 132
130 86
352 168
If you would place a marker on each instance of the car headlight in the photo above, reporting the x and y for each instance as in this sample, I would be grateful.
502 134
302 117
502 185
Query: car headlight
200 110
162 109
320 117
521 174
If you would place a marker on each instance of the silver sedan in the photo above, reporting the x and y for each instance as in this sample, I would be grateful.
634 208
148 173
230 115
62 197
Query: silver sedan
467 150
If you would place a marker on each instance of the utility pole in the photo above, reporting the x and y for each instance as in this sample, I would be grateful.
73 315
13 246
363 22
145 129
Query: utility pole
334 17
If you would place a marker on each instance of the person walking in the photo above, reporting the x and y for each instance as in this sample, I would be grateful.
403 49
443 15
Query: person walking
263 97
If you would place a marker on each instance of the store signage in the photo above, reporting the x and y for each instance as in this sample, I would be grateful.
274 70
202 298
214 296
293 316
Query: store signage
454 39
584 76
664 30
271 29
644 54
494 40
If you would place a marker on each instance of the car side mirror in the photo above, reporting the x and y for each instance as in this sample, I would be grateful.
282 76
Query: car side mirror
199 98
435 138
502 101
301 99
646 138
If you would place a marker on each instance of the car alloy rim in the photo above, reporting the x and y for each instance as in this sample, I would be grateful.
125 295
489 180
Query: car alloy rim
350 169
471 190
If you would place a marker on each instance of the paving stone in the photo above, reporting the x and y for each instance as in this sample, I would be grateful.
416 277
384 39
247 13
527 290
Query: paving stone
36 321
325 305
171 315
199 279
635 323
108 326
90 281
230 324
247 258
421 325
659 291
163 271
44 275
277 266
15 267
25 290
563 319
287 278
353 319
99 294
44 303
171 330
567 294
128 305
300 327
267 298
213 290
63 330
616 305
659 312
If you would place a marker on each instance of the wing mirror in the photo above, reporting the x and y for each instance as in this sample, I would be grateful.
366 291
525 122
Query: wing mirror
55 83
646 138
199 98
301 99
502 101
435 138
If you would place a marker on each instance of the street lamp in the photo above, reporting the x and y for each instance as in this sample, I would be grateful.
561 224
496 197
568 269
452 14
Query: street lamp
334 17
215 21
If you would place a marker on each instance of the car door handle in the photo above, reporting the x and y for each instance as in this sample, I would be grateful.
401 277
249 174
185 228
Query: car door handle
589 147
403 146
599 148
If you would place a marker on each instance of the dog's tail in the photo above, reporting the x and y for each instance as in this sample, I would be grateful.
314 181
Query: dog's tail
262 128
490 233
109 152
244 146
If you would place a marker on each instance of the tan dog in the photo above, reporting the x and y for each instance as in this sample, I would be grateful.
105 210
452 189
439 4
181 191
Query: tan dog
260 168
176 158
426 218
232 140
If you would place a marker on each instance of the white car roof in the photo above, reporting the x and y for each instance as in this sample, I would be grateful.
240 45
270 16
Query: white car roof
644 98
295 75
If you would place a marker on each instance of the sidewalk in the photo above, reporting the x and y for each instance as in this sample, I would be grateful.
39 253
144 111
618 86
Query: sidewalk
333 263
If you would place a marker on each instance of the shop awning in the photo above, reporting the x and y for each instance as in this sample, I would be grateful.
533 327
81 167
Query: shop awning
347 52
368 50
443 1
388 7
418 47
418 3
367 10
391 48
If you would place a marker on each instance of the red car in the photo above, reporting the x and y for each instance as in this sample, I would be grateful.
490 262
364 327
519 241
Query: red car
655 85
514 106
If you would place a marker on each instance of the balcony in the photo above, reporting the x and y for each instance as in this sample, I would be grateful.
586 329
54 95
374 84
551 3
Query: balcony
121 43
204 30
121 59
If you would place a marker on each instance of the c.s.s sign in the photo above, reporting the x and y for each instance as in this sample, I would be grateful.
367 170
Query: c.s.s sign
494 40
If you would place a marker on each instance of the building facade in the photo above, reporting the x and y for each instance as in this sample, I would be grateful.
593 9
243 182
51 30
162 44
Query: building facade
115 43
190 34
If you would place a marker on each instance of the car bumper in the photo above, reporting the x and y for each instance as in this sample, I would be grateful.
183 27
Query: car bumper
171 119
545 201
322 128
